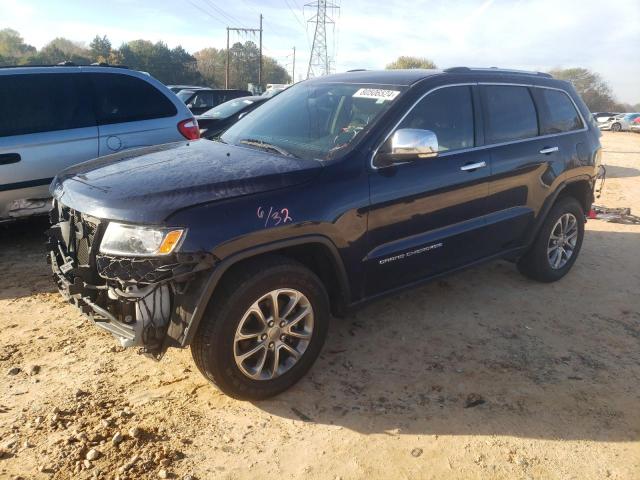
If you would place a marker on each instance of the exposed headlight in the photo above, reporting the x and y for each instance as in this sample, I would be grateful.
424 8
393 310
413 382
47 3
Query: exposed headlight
138 241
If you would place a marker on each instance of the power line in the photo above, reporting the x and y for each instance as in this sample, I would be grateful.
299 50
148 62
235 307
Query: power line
295 15
206 13
227 16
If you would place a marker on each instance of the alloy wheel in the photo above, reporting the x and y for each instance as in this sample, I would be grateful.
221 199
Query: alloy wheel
273 334
562 241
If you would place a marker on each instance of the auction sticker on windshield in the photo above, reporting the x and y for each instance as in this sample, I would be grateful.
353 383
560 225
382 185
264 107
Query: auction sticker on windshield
376 94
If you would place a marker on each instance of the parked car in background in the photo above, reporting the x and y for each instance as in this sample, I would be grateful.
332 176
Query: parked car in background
274 88
635 125
215 121
619 123
199 100
339 190
602 117
177 88
54 117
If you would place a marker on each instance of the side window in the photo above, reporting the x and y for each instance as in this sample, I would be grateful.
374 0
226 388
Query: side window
204 99
34 103
123 98
448 112
559 113
510 114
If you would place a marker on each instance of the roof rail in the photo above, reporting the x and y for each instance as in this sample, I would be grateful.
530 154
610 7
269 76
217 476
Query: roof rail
65 64
495 70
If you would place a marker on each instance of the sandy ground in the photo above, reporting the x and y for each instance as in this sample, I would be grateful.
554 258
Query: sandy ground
554 371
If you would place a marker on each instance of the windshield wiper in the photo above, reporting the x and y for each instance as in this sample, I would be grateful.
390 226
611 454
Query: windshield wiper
266 146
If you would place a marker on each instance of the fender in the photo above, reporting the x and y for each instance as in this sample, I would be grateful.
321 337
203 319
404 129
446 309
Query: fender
548 203
224 265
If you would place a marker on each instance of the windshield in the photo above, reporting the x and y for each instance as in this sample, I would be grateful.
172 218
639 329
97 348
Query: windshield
313 120
227 109
184 94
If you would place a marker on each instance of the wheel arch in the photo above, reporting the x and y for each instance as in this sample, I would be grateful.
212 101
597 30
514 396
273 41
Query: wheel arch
580 188
316 252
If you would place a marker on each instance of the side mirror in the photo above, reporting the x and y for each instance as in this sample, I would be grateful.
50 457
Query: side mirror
408 144
242 115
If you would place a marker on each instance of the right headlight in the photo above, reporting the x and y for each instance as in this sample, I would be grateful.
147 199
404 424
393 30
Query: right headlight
140 241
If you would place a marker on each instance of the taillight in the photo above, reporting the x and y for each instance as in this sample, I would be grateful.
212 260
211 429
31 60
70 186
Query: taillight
189 129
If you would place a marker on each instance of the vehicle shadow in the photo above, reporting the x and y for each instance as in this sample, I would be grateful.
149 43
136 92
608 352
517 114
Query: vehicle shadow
23 259
488 352
614 171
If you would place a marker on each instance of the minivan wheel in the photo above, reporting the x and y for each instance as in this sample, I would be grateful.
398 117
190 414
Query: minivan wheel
616 127
263 328
558 243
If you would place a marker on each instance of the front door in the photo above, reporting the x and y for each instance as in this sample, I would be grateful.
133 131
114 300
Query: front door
427 215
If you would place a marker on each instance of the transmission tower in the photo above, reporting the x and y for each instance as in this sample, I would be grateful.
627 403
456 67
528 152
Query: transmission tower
319 61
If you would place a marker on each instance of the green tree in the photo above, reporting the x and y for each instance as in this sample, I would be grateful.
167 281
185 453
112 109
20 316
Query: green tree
100 48
595 92
13 49
60 50
411 62
167 65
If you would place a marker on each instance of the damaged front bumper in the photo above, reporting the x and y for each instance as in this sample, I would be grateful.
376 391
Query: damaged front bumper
144 302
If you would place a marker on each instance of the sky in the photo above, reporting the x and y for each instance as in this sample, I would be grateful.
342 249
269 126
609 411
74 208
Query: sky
526 34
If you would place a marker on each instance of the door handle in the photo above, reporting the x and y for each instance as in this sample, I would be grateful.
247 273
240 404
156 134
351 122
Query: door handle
548 150
473 166
7 158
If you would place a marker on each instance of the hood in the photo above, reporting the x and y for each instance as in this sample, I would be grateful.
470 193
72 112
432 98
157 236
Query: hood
147 185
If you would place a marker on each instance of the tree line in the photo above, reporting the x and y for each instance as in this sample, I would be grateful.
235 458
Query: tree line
169 65
207 66
595 92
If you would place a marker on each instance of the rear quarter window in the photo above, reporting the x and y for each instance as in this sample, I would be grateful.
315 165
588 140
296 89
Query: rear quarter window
123 98
35 103
558 113
510 113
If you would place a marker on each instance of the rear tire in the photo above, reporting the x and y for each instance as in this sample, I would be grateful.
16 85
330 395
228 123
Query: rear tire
557 244
242 306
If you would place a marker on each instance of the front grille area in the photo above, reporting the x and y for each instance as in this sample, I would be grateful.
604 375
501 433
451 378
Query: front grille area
116 292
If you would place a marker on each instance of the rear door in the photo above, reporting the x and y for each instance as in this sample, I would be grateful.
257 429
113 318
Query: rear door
427 216
526 130
46 125
132 113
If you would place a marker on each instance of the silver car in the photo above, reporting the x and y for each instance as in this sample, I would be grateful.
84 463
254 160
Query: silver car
54 117
619 123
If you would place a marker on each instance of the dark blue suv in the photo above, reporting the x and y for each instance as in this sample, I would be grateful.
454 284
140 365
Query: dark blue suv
339 190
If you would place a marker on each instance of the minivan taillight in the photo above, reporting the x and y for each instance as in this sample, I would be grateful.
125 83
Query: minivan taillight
189 129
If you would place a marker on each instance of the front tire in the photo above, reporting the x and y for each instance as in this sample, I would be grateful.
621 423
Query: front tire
616 127
263 328
558 243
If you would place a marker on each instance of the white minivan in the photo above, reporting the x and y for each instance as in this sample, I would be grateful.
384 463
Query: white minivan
57 116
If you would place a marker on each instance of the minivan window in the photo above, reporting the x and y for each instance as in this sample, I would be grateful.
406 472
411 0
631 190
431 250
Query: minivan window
559 113
43 103
448 112
510 113
123 98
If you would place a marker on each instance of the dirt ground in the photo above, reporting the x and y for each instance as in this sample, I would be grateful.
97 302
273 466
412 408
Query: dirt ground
482 375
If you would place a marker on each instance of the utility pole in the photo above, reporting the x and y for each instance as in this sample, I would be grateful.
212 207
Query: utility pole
260 63
293 70
226 67
319 60
244 30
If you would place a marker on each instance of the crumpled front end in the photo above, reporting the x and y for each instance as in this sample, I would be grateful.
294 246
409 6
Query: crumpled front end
145 302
